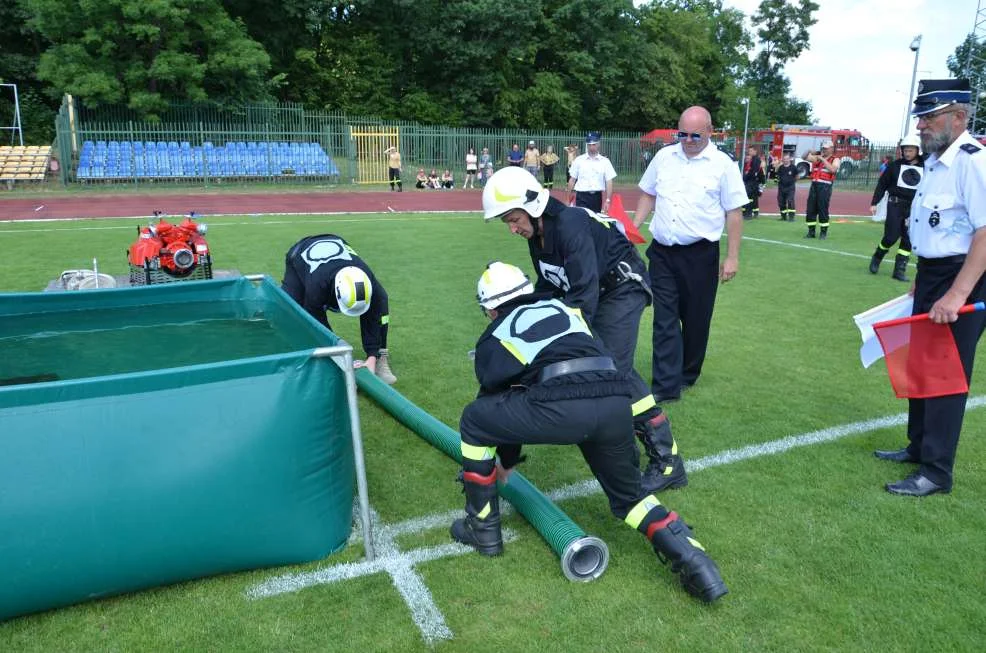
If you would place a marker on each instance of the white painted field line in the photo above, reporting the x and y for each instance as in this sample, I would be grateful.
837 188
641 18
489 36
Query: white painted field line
809 247
421 216
391 560
774 447
400 565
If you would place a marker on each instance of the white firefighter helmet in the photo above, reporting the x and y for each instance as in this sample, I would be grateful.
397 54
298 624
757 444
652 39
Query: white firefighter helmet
911 140
513 188
353 291
501 282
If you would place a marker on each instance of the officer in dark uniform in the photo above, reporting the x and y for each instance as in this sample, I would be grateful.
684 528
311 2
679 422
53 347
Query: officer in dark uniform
324 273
545 379
948 233
787 178
900 179
586 259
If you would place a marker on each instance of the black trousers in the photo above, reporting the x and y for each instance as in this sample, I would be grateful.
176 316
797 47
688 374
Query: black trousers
589 199
684 280
617 323
817 212
752 192
394 174
895 227
549 175
933 425
785 199
601 428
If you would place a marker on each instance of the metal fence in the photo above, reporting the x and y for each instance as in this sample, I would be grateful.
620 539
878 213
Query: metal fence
356 144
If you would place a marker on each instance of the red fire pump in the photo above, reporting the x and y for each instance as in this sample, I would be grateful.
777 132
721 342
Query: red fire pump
166 252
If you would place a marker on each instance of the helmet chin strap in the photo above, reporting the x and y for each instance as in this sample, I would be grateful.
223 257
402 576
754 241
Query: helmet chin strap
535 225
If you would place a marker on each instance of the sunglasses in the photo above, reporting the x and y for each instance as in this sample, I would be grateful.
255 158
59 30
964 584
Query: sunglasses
685 136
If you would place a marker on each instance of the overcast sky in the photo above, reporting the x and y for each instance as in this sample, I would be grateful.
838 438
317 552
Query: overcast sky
857 72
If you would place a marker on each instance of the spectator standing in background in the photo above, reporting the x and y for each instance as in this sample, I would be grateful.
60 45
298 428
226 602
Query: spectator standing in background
548 161
571 153
472 165
532 159
394 167
515 157
485 166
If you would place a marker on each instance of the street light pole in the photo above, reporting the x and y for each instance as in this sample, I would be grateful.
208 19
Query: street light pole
916 49
746 124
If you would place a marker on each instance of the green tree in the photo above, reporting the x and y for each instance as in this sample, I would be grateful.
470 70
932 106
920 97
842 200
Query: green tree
148 54
782 33
969 61
21 48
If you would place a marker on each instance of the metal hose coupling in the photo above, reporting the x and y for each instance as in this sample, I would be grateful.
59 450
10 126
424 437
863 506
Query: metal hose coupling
585 559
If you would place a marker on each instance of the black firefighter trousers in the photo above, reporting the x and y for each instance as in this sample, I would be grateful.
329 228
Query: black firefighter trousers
602 428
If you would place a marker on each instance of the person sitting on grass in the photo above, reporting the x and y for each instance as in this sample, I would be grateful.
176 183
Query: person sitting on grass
448 183
433 181
421 181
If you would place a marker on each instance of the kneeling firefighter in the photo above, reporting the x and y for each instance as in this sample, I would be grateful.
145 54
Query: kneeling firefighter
545 379
900 180
586 259
324 273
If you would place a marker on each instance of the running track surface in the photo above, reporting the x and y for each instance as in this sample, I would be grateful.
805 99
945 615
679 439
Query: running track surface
139 205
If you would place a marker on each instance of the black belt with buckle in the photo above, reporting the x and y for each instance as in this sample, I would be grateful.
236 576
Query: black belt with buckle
620 274
576 365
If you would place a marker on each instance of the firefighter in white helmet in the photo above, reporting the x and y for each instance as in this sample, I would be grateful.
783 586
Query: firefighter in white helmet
586 259
323 273
899 180
546 379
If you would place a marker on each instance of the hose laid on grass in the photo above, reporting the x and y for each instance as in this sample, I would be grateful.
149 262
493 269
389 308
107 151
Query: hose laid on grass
583 557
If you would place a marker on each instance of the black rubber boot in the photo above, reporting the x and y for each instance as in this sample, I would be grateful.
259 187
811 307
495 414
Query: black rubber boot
665 468
811 232
824 233
480 528
673 542
875 260
900 268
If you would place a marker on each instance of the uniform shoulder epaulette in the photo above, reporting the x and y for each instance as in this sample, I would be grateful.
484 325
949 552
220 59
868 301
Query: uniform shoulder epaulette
970 148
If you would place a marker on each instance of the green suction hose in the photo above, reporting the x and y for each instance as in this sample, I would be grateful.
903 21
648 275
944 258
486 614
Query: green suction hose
583 557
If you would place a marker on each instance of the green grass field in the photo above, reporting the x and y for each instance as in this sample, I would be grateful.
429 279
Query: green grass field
817 556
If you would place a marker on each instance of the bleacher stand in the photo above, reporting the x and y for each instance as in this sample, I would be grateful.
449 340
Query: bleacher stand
171 160
24 163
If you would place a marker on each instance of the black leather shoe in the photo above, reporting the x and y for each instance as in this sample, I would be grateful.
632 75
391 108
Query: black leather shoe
897 455
916 485
668 399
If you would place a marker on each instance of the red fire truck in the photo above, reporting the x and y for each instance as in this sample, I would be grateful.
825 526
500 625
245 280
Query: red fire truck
849 145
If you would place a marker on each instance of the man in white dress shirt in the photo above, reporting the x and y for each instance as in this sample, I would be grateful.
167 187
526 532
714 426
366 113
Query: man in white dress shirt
694 190
591 178
948 233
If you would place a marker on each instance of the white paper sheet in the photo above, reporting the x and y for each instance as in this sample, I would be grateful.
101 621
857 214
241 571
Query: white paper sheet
871 351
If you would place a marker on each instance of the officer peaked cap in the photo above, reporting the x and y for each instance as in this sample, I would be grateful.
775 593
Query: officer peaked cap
591 137
934 94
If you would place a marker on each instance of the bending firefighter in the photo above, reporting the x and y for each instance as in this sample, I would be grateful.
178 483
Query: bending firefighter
900 180
324 273
545 379
586 259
